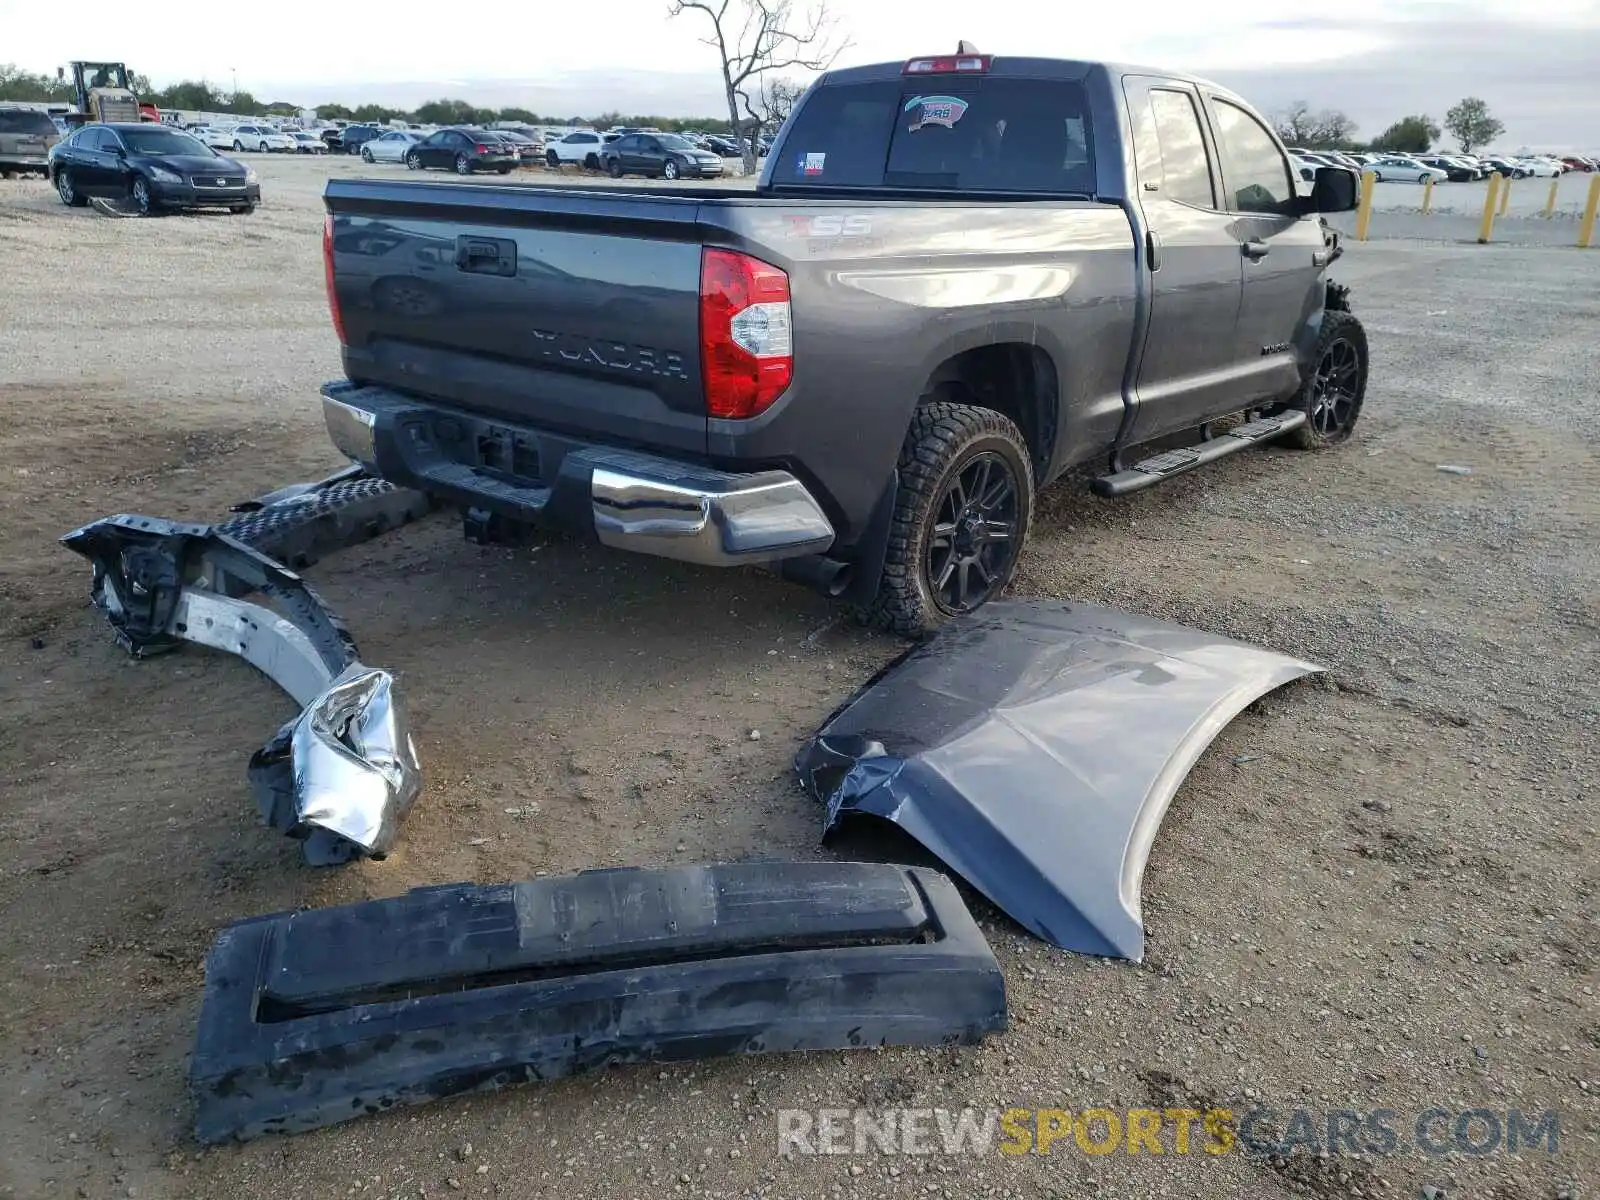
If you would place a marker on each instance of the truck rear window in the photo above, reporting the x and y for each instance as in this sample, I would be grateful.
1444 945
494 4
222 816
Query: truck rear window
945 133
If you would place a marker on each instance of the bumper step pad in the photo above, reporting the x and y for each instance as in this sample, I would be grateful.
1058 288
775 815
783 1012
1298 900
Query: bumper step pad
312 1018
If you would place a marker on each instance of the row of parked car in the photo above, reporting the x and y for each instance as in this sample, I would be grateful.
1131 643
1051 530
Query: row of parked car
467 150
1454 168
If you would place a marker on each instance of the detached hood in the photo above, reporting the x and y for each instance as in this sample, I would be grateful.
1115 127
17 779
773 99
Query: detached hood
1035 747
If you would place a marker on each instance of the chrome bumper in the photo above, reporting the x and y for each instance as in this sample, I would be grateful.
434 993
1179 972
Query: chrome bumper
633 501
718 522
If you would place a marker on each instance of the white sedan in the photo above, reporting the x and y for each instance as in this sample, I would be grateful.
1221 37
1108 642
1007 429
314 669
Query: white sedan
306 142
217 139
259 137
1397 167
390 147
1541 167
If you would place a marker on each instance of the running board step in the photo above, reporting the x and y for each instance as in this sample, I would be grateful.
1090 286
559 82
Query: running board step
1153 470
311 1018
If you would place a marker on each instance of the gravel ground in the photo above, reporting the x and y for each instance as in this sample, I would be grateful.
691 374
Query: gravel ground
1376 890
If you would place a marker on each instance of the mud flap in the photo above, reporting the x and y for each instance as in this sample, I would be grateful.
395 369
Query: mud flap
312 1018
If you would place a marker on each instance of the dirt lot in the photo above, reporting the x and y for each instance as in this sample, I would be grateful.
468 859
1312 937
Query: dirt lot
1376 891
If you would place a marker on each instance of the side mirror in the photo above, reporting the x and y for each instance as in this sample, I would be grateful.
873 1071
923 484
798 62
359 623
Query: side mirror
1335 189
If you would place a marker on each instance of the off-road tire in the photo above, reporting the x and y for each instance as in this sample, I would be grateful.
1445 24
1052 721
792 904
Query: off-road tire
1337 327
944 437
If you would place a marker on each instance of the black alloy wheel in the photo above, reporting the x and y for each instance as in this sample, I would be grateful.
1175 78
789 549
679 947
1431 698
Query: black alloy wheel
973 544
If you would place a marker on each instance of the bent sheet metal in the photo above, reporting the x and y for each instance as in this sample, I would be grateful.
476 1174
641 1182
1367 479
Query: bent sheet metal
343 773
1035 747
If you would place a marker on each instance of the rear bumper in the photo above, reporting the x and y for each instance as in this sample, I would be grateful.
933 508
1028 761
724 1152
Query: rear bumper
622 498
23 162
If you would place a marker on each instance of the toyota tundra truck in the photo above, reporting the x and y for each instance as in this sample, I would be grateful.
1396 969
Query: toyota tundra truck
957 278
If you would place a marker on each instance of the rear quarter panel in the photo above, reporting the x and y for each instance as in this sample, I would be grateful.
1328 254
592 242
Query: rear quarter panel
884 292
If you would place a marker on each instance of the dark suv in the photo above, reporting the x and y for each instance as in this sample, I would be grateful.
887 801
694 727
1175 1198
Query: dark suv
26 136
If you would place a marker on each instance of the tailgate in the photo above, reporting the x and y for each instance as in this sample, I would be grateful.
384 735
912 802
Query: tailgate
574 311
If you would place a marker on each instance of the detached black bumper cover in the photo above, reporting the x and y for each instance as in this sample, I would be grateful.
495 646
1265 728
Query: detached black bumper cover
316 1017
1035 749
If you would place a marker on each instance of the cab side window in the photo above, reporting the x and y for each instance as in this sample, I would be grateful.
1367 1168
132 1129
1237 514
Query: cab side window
1185 171
1257 174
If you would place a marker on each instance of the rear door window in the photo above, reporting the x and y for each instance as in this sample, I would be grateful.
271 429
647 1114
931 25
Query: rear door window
948 133
34 124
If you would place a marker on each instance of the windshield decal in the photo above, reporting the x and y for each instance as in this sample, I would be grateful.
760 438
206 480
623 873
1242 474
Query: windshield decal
936 110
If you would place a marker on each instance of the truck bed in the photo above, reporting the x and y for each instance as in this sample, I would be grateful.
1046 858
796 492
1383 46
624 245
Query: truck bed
573 313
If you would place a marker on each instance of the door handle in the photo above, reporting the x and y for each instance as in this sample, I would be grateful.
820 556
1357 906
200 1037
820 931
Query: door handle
1255 249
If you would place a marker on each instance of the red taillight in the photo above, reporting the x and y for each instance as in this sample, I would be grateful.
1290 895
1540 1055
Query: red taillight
746 344
327 275
483 149
949 64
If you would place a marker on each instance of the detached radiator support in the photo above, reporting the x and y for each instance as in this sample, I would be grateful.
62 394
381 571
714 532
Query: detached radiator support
343 773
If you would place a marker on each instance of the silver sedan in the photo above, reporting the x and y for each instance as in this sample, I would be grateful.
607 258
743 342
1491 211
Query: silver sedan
390 147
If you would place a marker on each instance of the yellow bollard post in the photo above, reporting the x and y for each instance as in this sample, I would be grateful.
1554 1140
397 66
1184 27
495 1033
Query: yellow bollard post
1486 226
1550 200
1364 210
1586 226
1427 195
1505 194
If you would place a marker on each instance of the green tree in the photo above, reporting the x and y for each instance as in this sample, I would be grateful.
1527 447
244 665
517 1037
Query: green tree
35 88
192 95
1470 124
452 112
1409 135
334 112
521 114
376 114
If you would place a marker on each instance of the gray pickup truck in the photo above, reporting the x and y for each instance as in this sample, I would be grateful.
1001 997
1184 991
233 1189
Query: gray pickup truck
957 278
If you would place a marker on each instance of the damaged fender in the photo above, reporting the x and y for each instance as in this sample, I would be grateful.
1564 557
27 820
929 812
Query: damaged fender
343 773
1034 748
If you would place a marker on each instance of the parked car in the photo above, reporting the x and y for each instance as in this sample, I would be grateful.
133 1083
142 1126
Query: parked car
153 167
389 147
1403 169
808 376
1546 168
1579 163
528 150
1455 172
333 138
463 151
659 154
1508 167
26 137
213 136
579 148
262 138
353 137
306 142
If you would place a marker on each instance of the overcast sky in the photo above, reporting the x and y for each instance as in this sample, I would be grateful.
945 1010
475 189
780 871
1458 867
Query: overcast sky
1536 62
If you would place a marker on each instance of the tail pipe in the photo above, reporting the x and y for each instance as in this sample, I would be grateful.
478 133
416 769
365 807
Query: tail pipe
829 576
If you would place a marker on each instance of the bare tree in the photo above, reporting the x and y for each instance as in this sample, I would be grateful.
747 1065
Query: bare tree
1297 125
756 37
772 101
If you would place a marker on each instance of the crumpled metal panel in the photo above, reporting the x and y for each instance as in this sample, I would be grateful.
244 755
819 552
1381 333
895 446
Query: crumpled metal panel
342 774
345 766
1035 748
